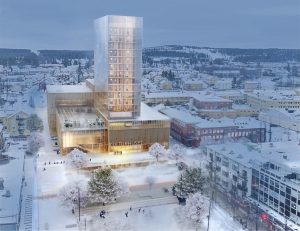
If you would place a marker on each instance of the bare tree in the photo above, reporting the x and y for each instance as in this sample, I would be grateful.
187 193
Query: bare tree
35 142
77 159
150 181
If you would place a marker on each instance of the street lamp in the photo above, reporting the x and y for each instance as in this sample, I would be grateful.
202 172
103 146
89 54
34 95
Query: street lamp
78 202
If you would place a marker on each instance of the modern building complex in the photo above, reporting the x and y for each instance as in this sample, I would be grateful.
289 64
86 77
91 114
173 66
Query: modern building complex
193 131
106 114
267 174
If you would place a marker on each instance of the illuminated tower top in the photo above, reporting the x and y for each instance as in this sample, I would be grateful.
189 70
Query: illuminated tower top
118 64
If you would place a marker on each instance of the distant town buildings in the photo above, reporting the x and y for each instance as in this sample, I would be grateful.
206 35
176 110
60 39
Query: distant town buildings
265 99
286 118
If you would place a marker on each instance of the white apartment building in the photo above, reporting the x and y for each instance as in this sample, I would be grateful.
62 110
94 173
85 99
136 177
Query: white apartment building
265 99
286 118
266 173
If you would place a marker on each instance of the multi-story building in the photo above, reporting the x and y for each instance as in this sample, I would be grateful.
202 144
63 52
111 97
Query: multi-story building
223 84
235 96
16 124
193 130
172 97
106 114
201 101
265 99
118 66
286 118
266 173
193 85
237 110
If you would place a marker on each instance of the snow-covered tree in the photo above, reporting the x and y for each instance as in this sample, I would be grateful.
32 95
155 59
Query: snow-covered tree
72 192
176 152
77 159
193 213
34 123
189 182
103 186
35 142
157 150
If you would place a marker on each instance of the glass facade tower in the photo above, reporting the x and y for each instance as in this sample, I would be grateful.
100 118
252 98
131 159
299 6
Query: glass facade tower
118 66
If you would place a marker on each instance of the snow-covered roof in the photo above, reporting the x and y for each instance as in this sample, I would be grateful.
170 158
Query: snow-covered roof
288 115
170 94
240 122
148 113
285 154
193 81
68 89
180 115
275 94
209 98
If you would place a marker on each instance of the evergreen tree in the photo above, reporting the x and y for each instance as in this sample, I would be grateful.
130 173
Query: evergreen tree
103 186
190 182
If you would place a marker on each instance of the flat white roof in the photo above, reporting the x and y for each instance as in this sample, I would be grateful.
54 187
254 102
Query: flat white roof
249 153
275 94
148 113
288 115
209 98
180 115
166 94
68 89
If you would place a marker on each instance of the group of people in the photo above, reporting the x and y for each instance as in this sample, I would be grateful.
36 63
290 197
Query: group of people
140 210
55 162
103 212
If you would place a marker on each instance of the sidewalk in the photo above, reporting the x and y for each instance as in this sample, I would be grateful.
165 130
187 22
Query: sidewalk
135 199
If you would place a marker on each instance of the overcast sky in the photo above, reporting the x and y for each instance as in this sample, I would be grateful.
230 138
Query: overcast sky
68 24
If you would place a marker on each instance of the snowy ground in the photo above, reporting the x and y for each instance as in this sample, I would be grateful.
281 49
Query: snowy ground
52 177
160 218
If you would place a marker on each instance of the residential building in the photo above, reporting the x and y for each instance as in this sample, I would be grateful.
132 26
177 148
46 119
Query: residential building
207 101
251 85
16 124
172 97
193 131
265 99
237 110
223 84
193 85
267 174
286 118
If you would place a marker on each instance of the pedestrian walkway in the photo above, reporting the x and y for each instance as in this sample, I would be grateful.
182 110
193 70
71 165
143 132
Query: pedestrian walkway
90 211
28 213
